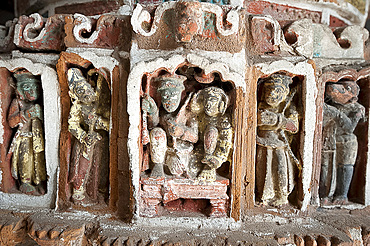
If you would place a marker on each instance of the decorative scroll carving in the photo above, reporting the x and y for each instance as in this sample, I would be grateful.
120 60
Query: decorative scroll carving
318 40
266 32
308 39
84 24
35 33
84 31
189 10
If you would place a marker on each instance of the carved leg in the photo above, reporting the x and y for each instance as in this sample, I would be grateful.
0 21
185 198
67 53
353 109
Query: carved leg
344 179
218 208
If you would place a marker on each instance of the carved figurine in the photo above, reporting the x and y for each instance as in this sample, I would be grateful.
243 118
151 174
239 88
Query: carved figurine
277 120
178 126
342 112
27 148
88 122
210 104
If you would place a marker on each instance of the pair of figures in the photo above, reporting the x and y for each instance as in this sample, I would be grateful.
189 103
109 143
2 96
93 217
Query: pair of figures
200 120
342 113
88 122
27 148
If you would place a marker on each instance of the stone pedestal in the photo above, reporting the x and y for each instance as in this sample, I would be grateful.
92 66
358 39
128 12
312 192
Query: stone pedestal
164 190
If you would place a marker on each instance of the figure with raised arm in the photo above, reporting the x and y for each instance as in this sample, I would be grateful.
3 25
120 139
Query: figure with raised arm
88 122
277 121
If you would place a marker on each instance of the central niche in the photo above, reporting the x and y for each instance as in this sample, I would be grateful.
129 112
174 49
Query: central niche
186 142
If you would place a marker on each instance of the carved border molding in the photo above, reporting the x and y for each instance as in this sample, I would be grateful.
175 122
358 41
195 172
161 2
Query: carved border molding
141 16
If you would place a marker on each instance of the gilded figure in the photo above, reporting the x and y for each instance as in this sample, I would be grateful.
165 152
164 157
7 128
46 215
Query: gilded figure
88 122
210 105
27 150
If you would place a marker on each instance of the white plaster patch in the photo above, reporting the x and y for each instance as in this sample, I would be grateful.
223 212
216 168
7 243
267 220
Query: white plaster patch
52 120
148 61
125 10
100 58
189 222
309 90
356 235
45 58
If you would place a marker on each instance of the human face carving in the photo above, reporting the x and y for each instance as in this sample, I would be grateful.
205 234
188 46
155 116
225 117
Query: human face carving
79 87
211 105
275 94
170 98
28 91
84 92
342 93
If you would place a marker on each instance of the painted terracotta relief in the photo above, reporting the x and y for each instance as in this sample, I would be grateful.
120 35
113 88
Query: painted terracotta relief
187 136
88 123
27 149
341 114
277 165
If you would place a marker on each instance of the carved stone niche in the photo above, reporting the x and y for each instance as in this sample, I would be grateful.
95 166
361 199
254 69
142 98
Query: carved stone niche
185 138
29 139
87 148
285 97
341 169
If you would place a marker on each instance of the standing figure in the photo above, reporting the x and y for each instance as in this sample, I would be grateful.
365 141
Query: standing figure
342 113
88 122
276 116
27 148
210 104
178 126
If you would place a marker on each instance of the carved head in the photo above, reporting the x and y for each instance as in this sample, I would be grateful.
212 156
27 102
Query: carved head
342 92
170 89
276 89
215 101
188 20
28 87
79 88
